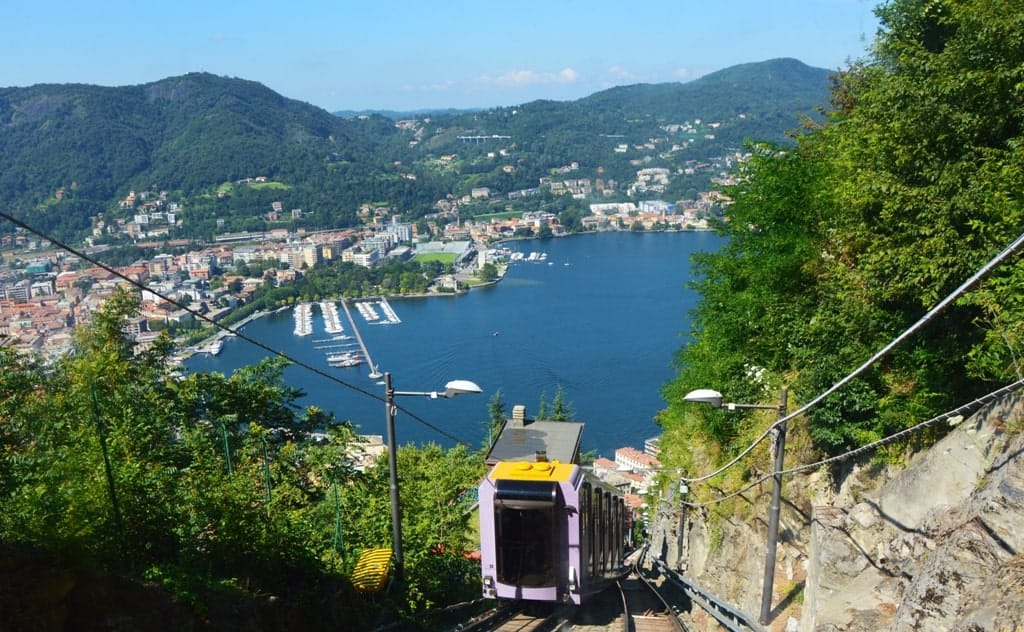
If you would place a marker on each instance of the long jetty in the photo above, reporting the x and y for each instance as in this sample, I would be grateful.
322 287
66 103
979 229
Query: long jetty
355 330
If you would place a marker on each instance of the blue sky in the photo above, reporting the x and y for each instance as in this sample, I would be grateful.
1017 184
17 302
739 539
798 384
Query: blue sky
405 55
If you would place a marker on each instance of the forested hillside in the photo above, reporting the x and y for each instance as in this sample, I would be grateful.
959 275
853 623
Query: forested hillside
689 122
759 101
73 151
840 244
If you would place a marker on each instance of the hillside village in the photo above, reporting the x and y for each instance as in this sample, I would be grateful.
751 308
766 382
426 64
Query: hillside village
45 295
45 292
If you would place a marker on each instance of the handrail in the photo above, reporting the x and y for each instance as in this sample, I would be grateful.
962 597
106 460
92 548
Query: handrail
728 614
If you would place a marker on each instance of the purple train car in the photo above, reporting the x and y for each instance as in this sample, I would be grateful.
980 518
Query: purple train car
550 531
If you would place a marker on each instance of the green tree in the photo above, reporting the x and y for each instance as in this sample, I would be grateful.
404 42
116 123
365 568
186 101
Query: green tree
488 273
542 407
838 244
120 466
496 415
437 520
560 409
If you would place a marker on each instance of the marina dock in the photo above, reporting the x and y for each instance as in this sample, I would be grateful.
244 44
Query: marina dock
332 323
370 314
303 319
355 330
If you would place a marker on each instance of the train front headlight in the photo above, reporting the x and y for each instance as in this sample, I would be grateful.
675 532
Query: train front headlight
574 583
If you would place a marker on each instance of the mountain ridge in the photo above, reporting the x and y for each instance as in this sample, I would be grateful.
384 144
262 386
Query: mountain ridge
73 150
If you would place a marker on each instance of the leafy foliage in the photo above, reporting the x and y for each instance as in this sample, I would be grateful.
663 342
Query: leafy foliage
205 480
839 244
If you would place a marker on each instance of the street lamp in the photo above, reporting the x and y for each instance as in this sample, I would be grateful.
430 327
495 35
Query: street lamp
714 398
451 389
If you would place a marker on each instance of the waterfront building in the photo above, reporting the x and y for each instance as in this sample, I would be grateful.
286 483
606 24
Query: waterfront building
635 460
299 255
246 254
42 288
361 257
652 446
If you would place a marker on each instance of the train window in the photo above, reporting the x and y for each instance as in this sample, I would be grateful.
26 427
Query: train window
613 556
617 536
526 546
606 532
623 527
598 533
526 530
586 531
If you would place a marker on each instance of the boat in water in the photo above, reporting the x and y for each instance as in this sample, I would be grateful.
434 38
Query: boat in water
303 315
346 359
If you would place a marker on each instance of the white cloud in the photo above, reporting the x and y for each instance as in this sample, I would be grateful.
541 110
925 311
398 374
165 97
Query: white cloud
619 74
520 78
683 73
441 86
568 75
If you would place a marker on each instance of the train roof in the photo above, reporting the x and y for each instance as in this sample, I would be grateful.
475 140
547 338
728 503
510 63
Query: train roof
560 440
551 471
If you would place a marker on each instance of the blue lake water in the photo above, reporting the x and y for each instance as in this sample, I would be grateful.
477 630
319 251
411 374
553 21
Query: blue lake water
602 317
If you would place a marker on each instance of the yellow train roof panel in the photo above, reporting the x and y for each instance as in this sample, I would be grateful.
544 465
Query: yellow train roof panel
526 471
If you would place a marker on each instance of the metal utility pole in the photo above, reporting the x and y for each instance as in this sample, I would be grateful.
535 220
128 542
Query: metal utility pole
773 516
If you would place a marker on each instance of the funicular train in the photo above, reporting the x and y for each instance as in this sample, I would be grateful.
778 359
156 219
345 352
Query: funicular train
550 530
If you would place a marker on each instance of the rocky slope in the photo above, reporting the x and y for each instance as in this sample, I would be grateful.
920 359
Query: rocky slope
934 545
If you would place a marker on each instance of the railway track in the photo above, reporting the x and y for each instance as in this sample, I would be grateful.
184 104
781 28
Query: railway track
521 617
633 604
642 601
645 607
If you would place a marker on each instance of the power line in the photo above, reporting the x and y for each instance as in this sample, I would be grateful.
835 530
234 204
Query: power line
223 327
956 412
1013 247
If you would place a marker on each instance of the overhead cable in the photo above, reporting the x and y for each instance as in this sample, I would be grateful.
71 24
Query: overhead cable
223 327
949 415
998 259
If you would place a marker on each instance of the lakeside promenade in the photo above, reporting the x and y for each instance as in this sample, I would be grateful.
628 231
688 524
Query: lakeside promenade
463 275
187 352
198 347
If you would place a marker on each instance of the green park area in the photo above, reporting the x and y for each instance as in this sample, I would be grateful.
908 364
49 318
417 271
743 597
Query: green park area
446 258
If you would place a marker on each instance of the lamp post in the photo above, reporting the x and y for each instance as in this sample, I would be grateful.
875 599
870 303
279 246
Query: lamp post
714 398
451 389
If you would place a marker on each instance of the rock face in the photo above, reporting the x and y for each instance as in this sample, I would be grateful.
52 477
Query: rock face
938 545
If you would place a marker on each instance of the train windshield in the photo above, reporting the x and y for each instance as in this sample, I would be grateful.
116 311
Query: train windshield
524 518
